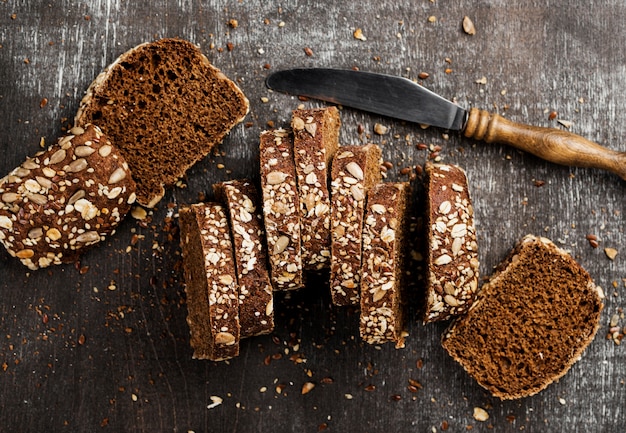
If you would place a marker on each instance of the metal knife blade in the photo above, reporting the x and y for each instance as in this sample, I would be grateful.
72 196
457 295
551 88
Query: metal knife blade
387 95
403 99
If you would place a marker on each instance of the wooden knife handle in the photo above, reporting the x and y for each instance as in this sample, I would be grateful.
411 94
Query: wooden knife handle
551 144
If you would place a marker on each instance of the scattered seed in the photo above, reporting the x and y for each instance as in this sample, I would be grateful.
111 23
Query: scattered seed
307 387
308 51
423 75
480 414
552 115
358 34
380 129
468 26
611 253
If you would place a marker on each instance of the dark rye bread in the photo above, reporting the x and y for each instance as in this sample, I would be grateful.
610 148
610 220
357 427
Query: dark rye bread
382 284
210 282
316 139
452 258
165 106
256 301
280 209
530 322
64 199
355 169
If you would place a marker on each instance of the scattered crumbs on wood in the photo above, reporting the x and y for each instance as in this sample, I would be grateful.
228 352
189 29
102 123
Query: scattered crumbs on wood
432 19
468 26
482 80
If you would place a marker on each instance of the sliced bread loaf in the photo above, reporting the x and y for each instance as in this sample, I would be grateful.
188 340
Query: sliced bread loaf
256 301
64 199
280 209
530 322
316 139
452 258
355 169
165 106
210 282
382 298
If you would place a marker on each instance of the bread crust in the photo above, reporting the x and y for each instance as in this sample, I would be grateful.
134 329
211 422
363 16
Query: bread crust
281 209
382 285
256 301
316 139
166 106
452 257
355 169
64 199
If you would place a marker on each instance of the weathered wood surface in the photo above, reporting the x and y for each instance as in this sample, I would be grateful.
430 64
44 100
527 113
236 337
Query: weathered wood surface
107 349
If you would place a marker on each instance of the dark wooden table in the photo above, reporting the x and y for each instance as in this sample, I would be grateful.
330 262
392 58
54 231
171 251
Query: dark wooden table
104 345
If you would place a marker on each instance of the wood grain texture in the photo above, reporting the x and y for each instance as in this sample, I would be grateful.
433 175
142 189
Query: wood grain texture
107 348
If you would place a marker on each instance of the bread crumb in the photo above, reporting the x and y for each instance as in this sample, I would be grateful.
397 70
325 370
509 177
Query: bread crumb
215 401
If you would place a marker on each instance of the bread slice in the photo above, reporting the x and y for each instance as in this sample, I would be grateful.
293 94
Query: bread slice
211 282
355 169
530 323
382 298
64 199
316 139
280 209
256 301
165 106
452 258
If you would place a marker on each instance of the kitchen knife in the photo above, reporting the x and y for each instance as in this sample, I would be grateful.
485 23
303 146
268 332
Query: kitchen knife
404 99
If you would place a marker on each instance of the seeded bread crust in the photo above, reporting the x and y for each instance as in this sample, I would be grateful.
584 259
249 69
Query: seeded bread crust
280 209
256 301
64 199
211 282
316 139
530 323
452 259
382 304
165 106
355 169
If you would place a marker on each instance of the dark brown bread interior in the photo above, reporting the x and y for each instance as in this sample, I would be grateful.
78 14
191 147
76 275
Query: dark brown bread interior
531 322
165 106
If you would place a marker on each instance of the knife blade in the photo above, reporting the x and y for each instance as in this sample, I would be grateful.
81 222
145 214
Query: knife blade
404 99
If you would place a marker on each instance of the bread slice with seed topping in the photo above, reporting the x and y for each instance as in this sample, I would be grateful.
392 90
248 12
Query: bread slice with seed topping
280 209
452 258
382 299
355 169
210 282
64 199
530 322
316 139
256 302
165 106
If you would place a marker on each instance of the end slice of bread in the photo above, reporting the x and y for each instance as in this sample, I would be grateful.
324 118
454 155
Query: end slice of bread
530 323
165 106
